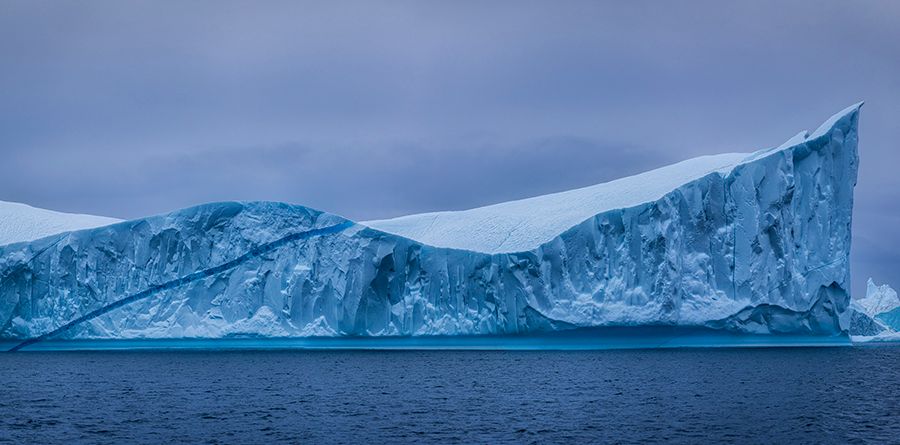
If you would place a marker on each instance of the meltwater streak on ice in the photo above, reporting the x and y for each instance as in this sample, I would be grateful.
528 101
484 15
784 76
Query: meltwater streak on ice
200 274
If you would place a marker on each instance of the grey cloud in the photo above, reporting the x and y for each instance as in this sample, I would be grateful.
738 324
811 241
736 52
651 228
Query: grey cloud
372 109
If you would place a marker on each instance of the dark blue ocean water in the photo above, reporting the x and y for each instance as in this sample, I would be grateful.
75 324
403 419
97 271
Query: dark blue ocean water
771 395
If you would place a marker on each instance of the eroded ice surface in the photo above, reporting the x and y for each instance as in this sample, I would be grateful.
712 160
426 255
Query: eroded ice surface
878 299
20 222
877 315
753 243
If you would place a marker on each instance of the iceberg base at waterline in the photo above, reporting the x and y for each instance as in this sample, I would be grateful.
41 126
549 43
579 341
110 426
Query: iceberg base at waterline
580 339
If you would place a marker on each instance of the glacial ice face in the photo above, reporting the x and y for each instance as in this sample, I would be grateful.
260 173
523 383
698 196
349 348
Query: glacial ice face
758 243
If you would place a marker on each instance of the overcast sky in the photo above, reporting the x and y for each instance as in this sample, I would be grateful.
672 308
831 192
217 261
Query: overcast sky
371 109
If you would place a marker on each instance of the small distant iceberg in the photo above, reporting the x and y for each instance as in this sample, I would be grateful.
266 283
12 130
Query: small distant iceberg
716 247
876 317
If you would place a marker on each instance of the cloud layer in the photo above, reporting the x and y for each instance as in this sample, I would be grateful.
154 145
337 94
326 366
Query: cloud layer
372 109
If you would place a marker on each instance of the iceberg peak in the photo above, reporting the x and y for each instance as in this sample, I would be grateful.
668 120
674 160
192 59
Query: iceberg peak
878 299
833 120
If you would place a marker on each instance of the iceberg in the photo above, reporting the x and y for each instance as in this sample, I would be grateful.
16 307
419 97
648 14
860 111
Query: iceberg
878 300
876 314
732 244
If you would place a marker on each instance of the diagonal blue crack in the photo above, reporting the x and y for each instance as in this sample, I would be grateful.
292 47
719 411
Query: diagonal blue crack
198 275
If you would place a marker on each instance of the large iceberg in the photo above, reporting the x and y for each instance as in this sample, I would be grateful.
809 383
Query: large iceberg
741 243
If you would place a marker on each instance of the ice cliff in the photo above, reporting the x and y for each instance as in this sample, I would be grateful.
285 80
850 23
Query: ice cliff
748 243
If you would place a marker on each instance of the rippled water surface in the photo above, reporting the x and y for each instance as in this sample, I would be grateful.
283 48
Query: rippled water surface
779 395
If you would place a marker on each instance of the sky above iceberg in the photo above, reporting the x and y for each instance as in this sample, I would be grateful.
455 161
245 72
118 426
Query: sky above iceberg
372 110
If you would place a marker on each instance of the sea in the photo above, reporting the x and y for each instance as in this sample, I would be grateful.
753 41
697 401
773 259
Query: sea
775 395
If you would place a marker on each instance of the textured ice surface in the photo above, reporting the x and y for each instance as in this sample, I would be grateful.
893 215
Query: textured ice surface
753 243
878 299
20 222
877 314
523 225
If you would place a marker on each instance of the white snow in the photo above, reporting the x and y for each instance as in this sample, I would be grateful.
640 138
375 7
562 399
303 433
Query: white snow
525 224
20 222
828 124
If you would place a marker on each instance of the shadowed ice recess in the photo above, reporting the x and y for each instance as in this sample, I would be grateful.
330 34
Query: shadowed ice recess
745 249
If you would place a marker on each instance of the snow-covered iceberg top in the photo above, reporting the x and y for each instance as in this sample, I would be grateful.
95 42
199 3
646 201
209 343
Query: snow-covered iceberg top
523 225
20 222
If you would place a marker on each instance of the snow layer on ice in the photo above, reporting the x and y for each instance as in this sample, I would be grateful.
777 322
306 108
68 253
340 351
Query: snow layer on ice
522 225
20 222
